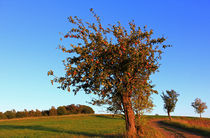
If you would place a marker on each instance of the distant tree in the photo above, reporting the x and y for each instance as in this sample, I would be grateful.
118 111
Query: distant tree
10 114
110 62
26 113
20 114
72 109
199 106
45 113
83 109
38 113
170 99
31 113
52 111
61 110
2 116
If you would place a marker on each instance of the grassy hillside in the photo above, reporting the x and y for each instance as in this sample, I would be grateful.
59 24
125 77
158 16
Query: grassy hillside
63 126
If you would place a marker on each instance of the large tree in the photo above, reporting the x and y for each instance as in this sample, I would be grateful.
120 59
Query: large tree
170 99
111 62
199 106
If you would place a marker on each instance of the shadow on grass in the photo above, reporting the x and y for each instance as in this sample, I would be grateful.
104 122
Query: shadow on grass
178 126
110 116
42 128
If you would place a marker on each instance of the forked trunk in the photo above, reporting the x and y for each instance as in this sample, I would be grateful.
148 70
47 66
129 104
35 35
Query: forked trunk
129 116
169 115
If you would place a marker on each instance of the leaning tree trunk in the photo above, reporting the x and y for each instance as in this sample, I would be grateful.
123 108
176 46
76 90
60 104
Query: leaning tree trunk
169 115
129 116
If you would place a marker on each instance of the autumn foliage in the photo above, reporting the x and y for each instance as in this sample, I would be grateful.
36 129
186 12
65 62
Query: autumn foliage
170 99
111 62
199 106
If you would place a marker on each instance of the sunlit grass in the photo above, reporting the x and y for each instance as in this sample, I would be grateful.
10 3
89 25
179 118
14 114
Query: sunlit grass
195 125
64 126
91 126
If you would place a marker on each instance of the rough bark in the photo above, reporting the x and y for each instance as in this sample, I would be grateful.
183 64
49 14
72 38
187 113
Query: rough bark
129 116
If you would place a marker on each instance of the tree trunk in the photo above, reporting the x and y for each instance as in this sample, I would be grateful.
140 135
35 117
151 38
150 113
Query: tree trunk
200 115
129 116
169 115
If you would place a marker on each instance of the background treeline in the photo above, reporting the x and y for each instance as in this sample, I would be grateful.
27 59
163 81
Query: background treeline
61 110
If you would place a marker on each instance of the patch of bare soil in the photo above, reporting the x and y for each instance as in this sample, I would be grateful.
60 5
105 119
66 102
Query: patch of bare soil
172 132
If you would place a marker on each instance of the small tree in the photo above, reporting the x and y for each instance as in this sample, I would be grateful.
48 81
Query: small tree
110 61
199 106
170 99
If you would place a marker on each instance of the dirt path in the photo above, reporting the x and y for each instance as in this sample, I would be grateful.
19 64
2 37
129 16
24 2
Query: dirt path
171 132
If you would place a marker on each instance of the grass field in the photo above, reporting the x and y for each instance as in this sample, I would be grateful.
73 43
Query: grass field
63 126
83 126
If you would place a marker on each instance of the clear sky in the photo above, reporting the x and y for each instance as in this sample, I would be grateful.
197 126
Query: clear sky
29 36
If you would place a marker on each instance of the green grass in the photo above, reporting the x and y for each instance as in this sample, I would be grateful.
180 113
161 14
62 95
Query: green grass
64 126
83 126
184 125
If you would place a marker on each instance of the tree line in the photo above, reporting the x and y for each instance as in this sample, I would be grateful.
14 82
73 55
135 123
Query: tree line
61 110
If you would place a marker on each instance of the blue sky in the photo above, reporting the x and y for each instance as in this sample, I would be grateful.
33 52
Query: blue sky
29 36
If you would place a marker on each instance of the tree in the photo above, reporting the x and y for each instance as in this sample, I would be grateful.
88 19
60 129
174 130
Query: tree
170 99
199 106
72 109
38 113
83 109
2 116
61 110
20 114
110 62
10 114
52 111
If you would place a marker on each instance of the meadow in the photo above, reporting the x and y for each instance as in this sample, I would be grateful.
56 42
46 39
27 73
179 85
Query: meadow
63 126
87 126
